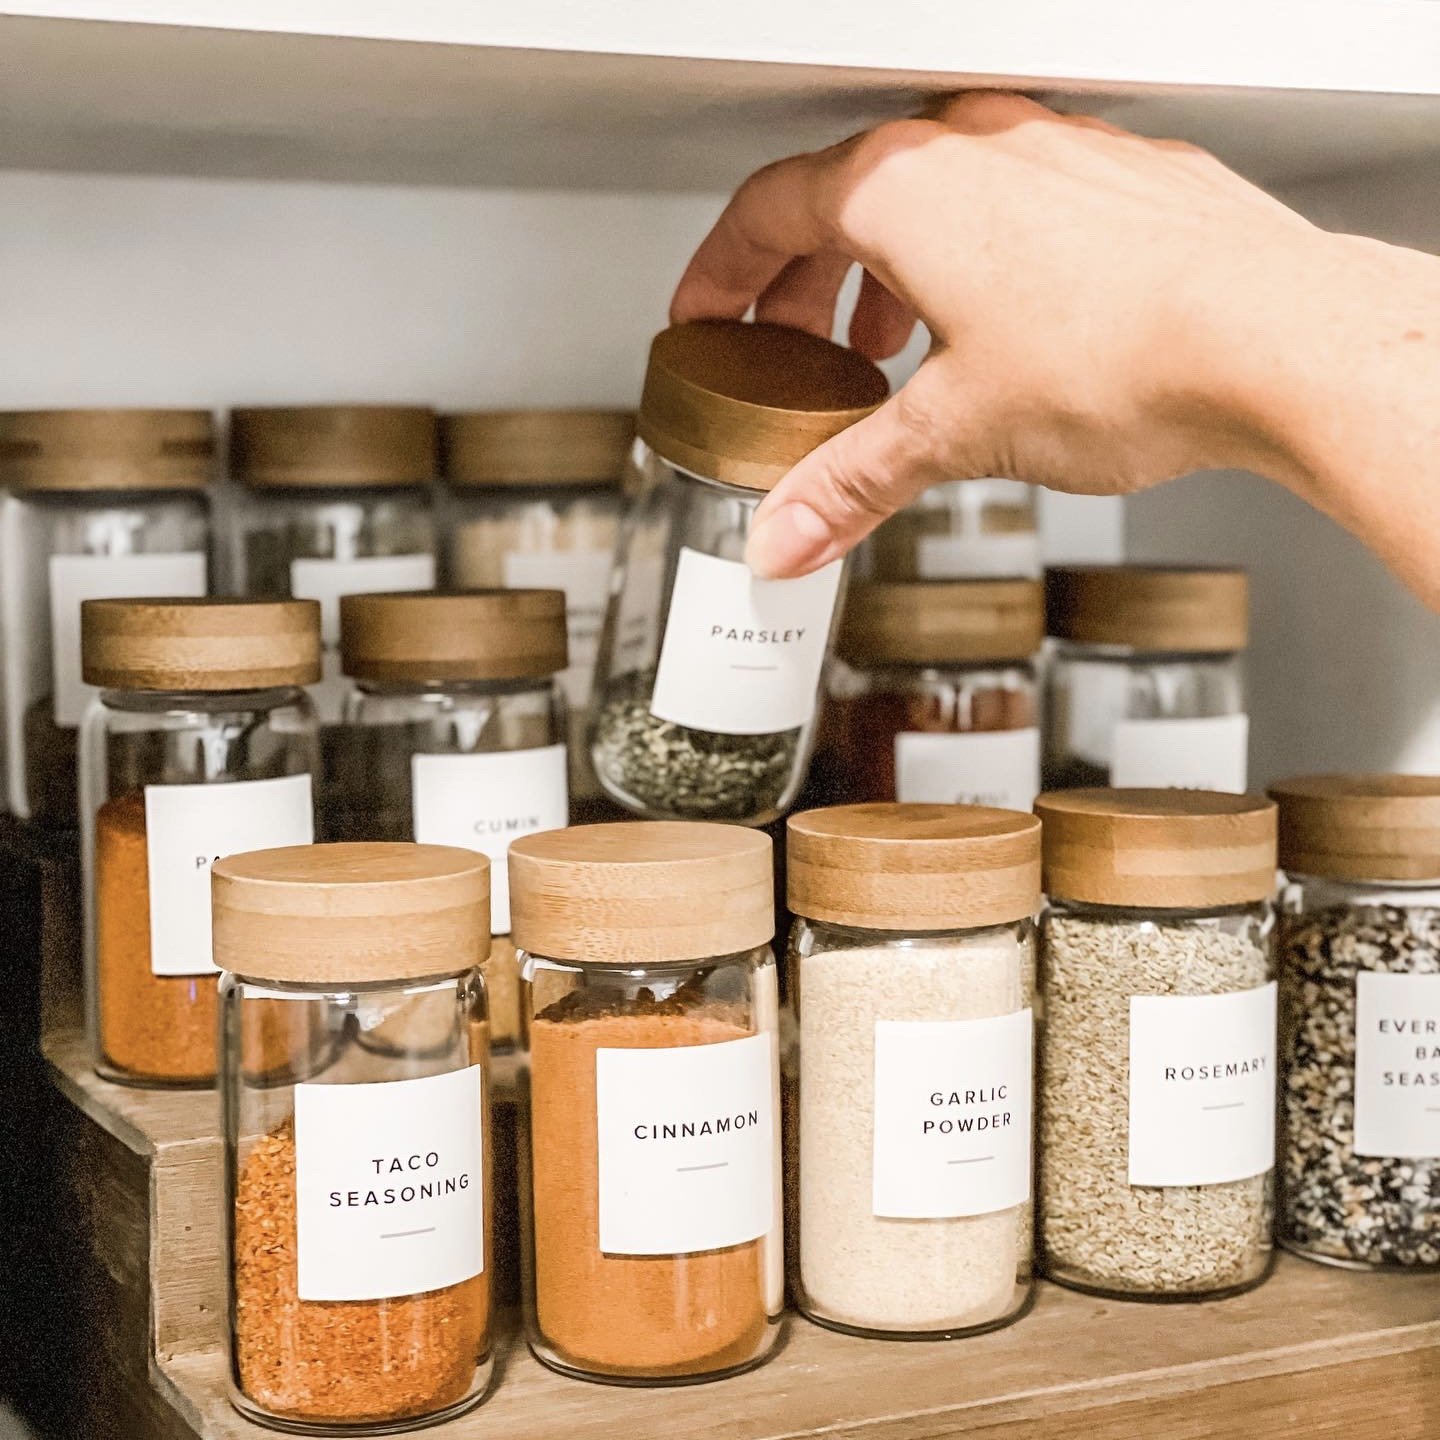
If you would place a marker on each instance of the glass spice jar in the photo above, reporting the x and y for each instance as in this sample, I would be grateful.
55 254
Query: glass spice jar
1145 686
1360 1020
650 1095
1157 1053
202 744
708 677
983 529
909 1088
101 503
358 1200
533 501
458 733
933 694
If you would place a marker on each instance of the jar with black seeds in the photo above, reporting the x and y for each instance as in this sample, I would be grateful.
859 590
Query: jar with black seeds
1360 1020
708 677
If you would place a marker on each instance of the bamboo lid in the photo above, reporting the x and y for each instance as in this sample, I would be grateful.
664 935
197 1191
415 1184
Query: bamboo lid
742 403
475 635
347 914
1360 827
333 445
940 622
1149 607
536 447
206 645
106 449
1157 849
642 891
914 867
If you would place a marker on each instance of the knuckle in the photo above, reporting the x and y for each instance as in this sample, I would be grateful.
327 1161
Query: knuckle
875 148
984 110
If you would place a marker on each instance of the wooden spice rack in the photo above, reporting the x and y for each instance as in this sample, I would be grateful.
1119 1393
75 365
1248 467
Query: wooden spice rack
1316 1352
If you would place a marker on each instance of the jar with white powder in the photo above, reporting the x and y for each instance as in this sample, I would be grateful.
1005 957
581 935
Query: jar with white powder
909 1085
1158 1052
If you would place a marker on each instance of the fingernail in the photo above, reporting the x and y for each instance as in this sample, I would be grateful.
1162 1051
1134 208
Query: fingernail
792 540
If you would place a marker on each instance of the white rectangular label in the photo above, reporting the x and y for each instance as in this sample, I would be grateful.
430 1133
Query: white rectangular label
390 1194
584 576
952 1116
742 656
1206 754
74 578
686 1146
188 828
483 802
978 557
1202 1087
1397 1066
993 767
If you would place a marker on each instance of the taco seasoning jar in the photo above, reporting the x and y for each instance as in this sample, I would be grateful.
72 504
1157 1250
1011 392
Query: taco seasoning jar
912 967
933 695
1157 1056
100 503
1145 685
458 735
1360 1020
358 1199
985 529
708 676
334 500
650 1086
202 744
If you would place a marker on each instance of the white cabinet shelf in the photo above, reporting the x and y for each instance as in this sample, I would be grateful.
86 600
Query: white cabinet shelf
654 95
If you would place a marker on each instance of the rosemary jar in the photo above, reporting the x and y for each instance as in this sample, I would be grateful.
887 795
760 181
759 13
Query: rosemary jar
708 676
202 744
959 530
909 1087
1145 686
458 735
357 1197
334 500
933 695
533 501
1157 1055
1360 1020
650 1095
100 503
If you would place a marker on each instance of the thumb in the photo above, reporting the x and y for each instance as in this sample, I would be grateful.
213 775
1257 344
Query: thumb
844 488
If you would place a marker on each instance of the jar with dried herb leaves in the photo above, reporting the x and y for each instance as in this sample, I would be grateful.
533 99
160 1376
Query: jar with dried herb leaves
708 677
358 1198
650 1086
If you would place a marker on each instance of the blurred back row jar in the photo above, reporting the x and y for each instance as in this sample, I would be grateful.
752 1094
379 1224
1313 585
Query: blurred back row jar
985 529
1145 685
708 677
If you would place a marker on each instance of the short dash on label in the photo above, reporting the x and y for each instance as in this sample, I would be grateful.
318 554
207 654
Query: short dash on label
1232 1105
687 1169
971 1160
405 1234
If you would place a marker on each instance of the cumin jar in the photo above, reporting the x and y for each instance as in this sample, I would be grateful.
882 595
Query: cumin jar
708 677
202 744
100 503
933 694
358 1198
650 1097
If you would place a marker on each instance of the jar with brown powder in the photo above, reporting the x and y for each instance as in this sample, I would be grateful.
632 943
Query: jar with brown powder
202 744
358 1199
650 1082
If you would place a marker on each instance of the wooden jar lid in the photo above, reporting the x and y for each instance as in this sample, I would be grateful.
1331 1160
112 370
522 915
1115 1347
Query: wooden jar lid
536 447
1360 827
742 403
1158 849
346 914
1149 607
195 644
914 867
642 891
333 445
475 635
106 449
941 622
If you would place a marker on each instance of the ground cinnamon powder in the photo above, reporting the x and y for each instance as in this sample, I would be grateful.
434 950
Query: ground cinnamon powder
657 1316
349 1361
